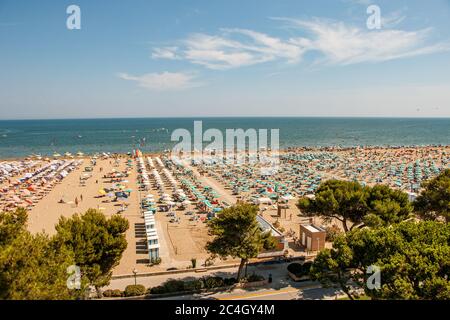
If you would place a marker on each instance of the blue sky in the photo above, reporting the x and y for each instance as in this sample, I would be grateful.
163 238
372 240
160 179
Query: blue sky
224 58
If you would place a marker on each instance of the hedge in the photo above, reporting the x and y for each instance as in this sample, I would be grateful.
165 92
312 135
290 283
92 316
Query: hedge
112 293
254 278
134 290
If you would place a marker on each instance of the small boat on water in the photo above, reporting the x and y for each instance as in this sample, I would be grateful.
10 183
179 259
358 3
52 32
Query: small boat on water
56 155
68 154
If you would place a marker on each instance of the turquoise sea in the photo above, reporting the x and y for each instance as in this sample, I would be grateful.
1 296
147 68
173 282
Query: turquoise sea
20 138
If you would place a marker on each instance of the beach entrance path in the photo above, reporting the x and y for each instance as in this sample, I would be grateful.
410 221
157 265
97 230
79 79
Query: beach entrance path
225 195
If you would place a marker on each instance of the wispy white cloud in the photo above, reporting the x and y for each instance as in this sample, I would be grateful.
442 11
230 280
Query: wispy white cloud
337 43
340 43
165 53
222 51
165 81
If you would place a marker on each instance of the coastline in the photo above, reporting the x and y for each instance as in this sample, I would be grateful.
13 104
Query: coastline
281 150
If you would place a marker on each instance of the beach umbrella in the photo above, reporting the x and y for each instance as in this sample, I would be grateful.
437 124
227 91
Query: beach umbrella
102 191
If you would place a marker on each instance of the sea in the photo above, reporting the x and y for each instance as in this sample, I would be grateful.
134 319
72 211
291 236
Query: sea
21 138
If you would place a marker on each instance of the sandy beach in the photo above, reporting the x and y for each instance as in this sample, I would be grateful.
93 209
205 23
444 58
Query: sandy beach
183 233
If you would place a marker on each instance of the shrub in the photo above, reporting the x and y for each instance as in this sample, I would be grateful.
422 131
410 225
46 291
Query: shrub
193 285
134 290
255 277
117 293
229 281
112 293
157 290
107 293
213 282
174 285
155 261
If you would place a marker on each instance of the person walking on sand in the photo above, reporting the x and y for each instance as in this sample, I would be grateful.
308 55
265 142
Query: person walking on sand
81 197
76 202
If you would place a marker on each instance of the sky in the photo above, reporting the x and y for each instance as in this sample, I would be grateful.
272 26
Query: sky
224 58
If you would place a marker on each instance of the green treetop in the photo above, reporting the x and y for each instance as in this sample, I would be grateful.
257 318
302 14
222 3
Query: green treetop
237 233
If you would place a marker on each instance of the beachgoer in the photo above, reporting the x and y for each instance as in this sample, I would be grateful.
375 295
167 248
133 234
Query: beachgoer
76 201
81 197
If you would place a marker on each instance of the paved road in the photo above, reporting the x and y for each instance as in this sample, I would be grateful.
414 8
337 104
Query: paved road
281 288
306 291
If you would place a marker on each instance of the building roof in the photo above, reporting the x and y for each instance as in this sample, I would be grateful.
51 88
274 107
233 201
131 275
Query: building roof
312 228
267 226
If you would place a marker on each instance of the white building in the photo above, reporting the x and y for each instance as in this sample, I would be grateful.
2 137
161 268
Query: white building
152 235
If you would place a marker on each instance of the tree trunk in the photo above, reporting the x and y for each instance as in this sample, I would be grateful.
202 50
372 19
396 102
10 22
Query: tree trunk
241 266
344 224
344 287
99 292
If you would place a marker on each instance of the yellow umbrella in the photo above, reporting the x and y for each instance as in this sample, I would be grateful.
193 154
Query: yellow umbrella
102 191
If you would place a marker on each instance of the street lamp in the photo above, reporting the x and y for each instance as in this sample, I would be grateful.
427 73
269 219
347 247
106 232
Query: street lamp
135 273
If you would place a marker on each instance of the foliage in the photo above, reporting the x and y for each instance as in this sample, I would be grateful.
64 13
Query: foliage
134 290
97 243
155 261
193 285
332 232
390 205
31 266
237 234
254 277
113 293
213 282
412 257
357 206
300 269
157 290
171 285
11 224
434 201
229 281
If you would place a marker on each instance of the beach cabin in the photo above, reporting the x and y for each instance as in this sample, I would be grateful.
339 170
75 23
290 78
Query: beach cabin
312 237
152 235
282 245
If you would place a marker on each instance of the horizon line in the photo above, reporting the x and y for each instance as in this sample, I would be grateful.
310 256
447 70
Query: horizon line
232 117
